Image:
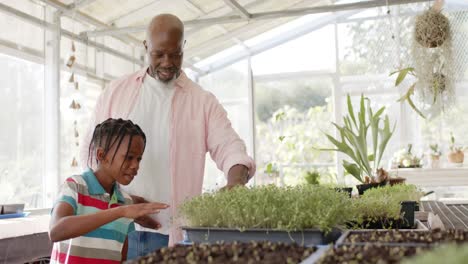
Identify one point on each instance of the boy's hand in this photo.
(137, 210)
(148, 222)
(138, 199)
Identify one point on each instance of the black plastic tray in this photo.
(340, 242)
(316, 255)
(306, 237)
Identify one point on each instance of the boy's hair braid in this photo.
(111, 132)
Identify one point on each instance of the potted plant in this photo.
(357, 130)
(406, 159)
(434, 155)
(456, 155)
(386, 207)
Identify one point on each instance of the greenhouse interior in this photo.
(234, 131)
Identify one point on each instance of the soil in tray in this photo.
(380, 224)
(245, 253)
(369, 254)
(395, 236)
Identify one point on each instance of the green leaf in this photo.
(410, 102)
(379, 112)
(269, 168)
(281, 138)
(362, 113)
(352, 169)
(385, 135)
(402, 75)
(371, 157)
(407, 97)
(351, 110)
(280, 116)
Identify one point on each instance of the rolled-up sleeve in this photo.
(224, 144)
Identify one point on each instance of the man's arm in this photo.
(227, 149)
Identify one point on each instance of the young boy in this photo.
(92, 216)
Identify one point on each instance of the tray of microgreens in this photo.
(306, 214)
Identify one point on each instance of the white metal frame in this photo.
(246, 16)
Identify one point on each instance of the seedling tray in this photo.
(436, 237)
(305, 237)
(312, 259)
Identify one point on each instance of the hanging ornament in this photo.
(71, 61)
(72, 78)
(74, 162)
(73, 47)
(76, 86)
(75, 105)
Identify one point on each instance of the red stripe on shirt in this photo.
(86, 200)
(62, 257)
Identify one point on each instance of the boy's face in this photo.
(124, 169)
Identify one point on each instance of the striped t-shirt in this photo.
(104, 244)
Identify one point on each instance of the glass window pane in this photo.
(21, 33)
(312, 52)
(21, 143)
(228, 83)
(290, 117)
(230, 86)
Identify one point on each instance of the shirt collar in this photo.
(95, 188)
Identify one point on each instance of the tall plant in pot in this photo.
(363, 137)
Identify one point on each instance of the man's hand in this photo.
(238, 176)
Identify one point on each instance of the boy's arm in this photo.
(64, 224)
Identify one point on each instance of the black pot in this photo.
(348, 190)
(408, 208)
(366, 186)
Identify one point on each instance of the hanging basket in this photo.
(432, 29)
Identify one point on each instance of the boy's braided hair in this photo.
(111, 132)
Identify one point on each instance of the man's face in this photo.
(165, 53)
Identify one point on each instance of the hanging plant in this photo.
(433, 90)
(432, 29)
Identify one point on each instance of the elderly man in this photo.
(182, 122)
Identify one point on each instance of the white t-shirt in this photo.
(153, 182)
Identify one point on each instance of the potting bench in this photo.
(24, 239)
(453, 216)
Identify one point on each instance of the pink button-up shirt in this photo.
(198, 124)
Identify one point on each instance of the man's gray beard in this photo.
(154, 74)
(166, 84)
